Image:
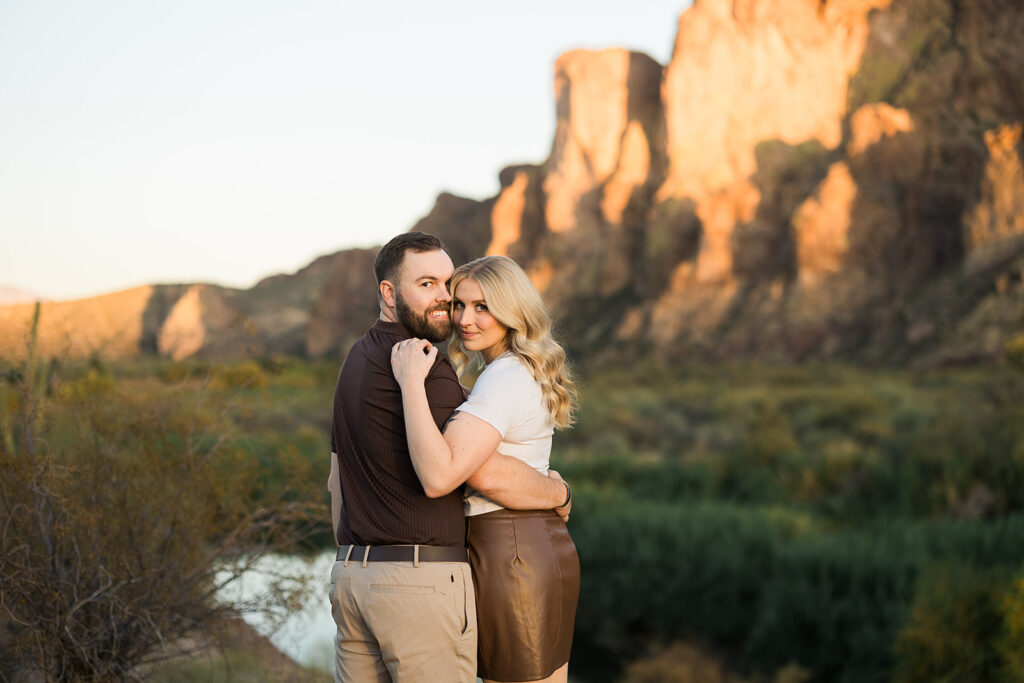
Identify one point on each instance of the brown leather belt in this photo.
(402, 553)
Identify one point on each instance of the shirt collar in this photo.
(391, 329)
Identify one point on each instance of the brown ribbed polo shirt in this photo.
(383, 501)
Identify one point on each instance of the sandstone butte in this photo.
(804, 179)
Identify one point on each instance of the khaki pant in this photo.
(401, 623)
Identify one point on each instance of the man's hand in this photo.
(563, 510)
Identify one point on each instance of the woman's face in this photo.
(479, 330)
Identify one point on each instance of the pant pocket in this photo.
(465, 598)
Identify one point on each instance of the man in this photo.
(401, 591)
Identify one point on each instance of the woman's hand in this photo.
(562, 510)
(411, 360)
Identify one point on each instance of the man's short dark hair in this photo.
(389, 258)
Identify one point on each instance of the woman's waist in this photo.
(505, 513)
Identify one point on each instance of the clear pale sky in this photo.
(224, 141)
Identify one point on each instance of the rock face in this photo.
(803, 179)
(203, 321)
(806, 181)
(346, 306)
(181, 321)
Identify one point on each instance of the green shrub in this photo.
(954, 628)
(833, 603)
(765, 587)
(1011, 645)
(663, 572)
(1014, 352)
(245, 375)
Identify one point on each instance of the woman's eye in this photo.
(459, 304)
(481, 308)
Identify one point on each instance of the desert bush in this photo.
(1011, 645)
(678, 663)
(955, 628)
(1014, 352)
(844, 442)
(236, 376)
(121, 517)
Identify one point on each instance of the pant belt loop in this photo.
(366, 556)
(348, 554)
(416, 555)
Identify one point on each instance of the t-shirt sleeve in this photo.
(498, 397)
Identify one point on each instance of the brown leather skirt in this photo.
(527, 578)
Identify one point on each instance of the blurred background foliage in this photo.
(128, 501)
(735, 522)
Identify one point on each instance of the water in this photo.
(305, 634)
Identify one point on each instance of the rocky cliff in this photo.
(803, 179)
(806, 178)
(184, 320)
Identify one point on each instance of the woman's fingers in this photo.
(411, 342)
(411, 359)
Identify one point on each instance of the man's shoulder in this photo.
(443, 368)
(376, 343)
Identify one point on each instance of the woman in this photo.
(525, 566)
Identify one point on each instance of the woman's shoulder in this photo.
(507, 364)
(507, 369)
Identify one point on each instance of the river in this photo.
(305, 634)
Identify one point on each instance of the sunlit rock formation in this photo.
(803, 179)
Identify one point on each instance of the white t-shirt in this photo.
(507, 397)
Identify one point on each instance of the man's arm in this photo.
(334, 486)
(513, 484)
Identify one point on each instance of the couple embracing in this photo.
(453, 555)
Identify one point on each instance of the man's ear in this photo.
(387, 293)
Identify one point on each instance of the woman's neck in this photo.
(492, 352)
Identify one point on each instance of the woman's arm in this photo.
(467, 449)
(513, 484)
(442, 462)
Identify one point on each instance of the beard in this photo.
(420, 325)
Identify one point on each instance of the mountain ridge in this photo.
(819, 179)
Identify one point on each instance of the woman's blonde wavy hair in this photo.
(514, 302)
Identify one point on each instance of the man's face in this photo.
(422, 300)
